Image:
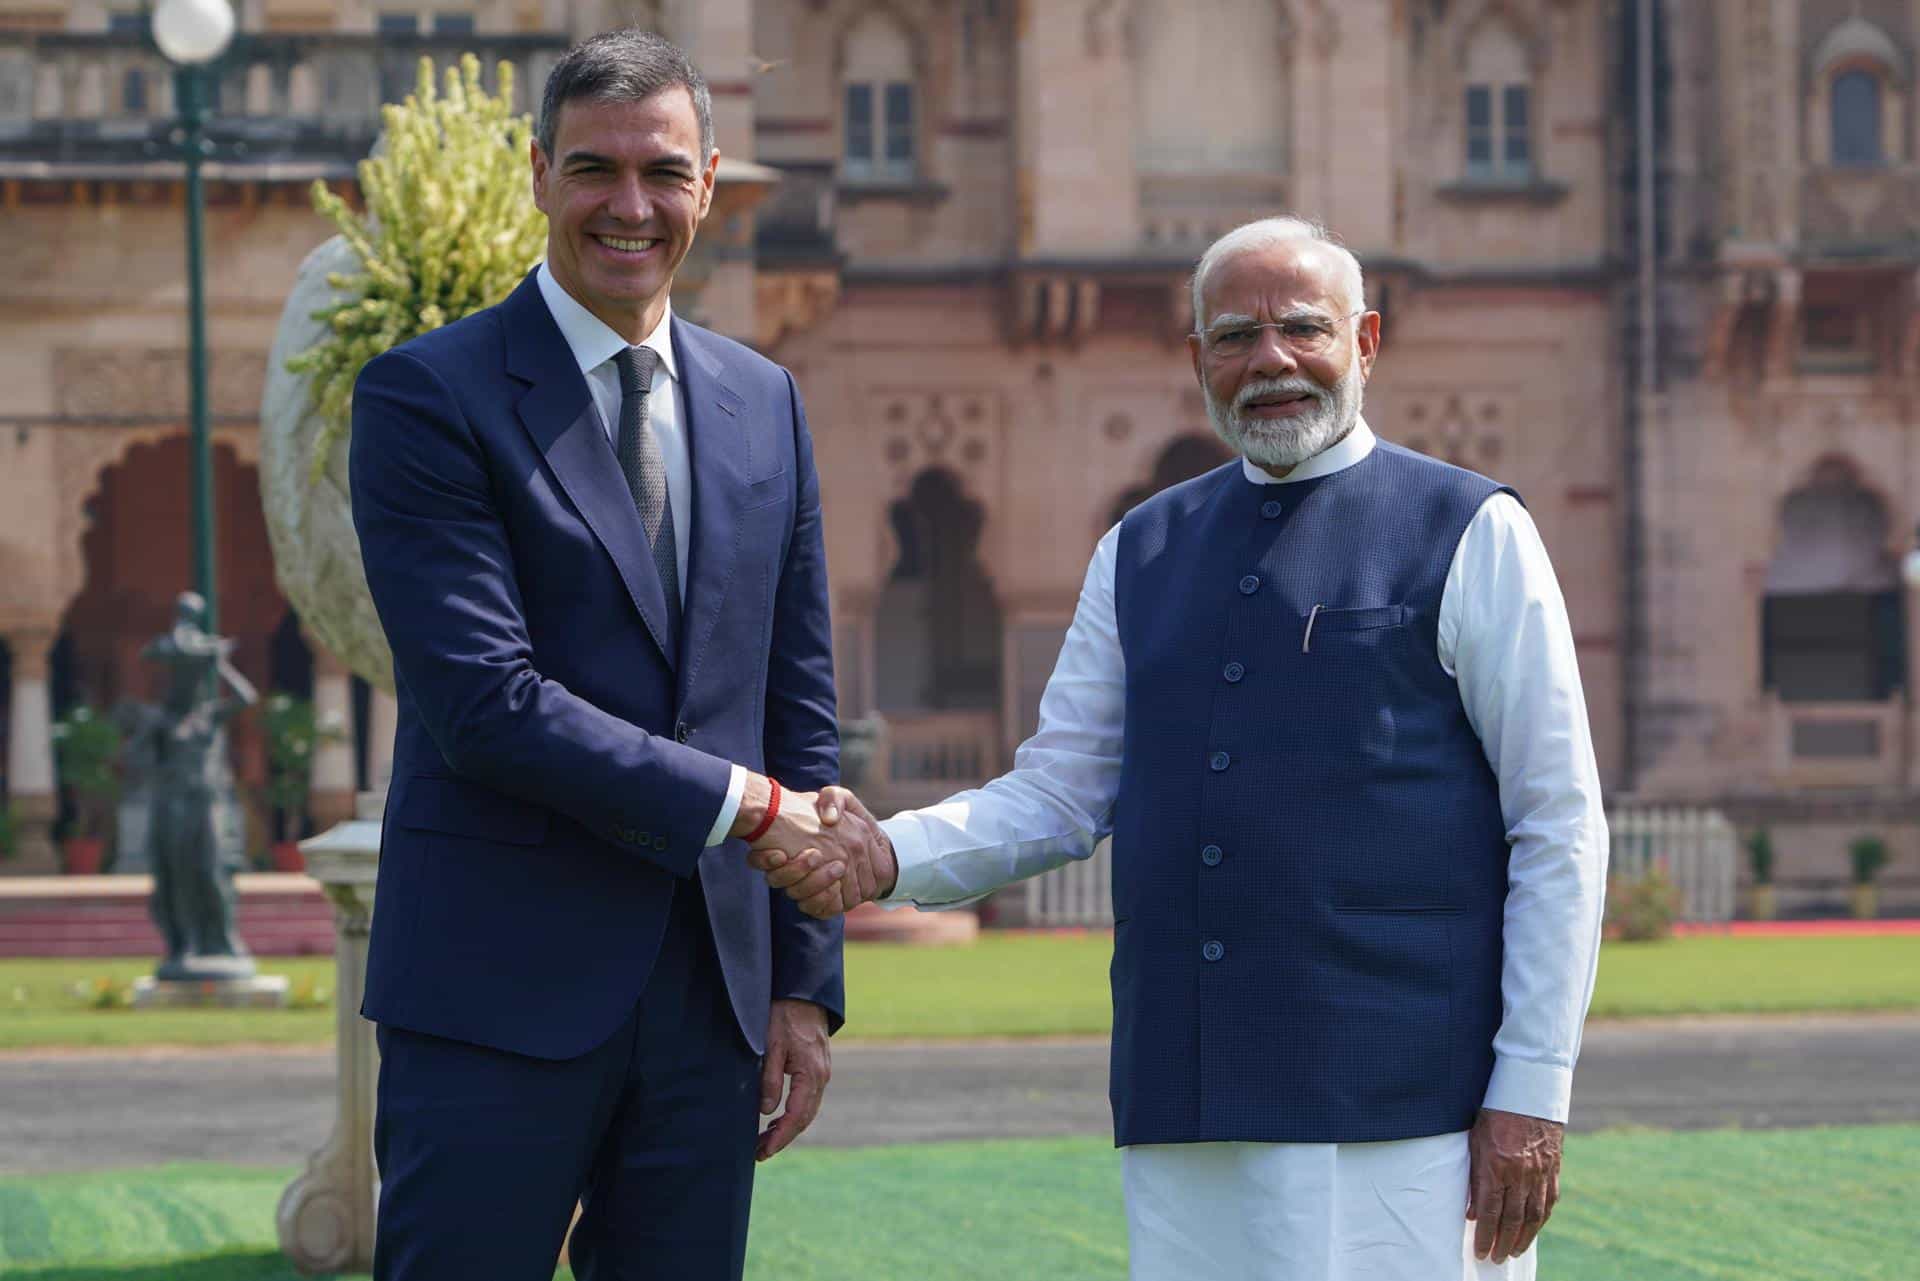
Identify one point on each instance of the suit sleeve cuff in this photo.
(1544, 1090)
(729, 808)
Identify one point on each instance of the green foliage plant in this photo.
(87, 748)
(1869, 855)
(450, 228)
(293, 733)
(1642, 909)
(1760, 855)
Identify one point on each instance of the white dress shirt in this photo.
(1503, 635)
(1209, 1209)
(594, 345)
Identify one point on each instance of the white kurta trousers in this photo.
(1305, 1212)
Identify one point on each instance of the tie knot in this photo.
(636, 366)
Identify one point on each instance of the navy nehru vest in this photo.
(1309, 861)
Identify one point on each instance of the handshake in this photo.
(824, 849)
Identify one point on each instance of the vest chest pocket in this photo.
(1340, 702)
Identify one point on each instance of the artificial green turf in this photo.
(1018, 985)
(1786, 1205)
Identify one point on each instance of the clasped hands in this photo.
(824, 849)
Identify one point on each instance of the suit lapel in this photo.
(720, 446)
(558, 412)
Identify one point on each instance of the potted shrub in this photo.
(87, 749)
(1869, 855)
(293, 734)
(1761, 905)
(1641, 909)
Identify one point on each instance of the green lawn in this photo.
(1795, 1205)
(1018, 985)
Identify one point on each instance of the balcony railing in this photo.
(85, 104)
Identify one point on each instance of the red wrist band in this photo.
(773, 812)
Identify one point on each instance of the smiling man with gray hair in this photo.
(1325, 700)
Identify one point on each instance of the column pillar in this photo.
(32, 789)
(333, 783)
(383, 715)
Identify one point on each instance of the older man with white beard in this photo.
(1325, 700)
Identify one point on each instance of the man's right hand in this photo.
(824, 849)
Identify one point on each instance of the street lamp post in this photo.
(193, 34)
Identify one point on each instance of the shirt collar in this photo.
(592, 341)
(1339, 456)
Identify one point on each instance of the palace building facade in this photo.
(967, 226)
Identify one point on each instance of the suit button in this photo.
(1214, 950)
(660, 843)
(1270, 509)
(1250, 584)
(641, 837)
(1218, 762)
(680, 732)
(1211, 855)
(1234, 672)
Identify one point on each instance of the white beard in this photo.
(1288, 442)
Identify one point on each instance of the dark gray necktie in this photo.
(646, 471)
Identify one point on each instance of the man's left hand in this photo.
(797, 1048)
(1513, 1181)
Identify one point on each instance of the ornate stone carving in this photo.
(121, 382)
(791, 302)
(1457, 428)
(316, 556)
(959, 429)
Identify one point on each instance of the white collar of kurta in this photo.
(1339, 456)
(591, 340)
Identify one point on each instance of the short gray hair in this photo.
(629, 65)
(1264, 233)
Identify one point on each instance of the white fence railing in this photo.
(1698, 850)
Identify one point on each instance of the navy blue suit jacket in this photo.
(561, 758)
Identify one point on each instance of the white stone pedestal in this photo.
(256, 992)
(325, 1220)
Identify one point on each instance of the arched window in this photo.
(879, 111)
(1499, 107)
(1210, 88)
(1857, 136)
(1832, 629)
(937, 639)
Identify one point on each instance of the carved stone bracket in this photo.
(1053, 307)
(792, 302)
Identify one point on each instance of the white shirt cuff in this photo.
(729, 808)
(913, 859)
(1544, 1090)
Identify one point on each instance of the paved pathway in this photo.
(87, 1111)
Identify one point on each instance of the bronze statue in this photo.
(195, 843)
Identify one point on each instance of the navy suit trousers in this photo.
(483, 1153)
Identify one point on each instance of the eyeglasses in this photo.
(1305, 334)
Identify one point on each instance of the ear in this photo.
(537, 161)
(1367, 336)
(707, 180)
(1193, 350)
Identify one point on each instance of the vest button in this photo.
(1211, 855)
(1234, 672)
(680, 732)
(1218, 762)
(1250, 584)
(1270, 509)
(1214, 950)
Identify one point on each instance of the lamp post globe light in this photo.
(193, 34)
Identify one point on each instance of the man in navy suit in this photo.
(593, 534)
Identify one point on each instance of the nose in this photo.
(628, 201)
(1271, 357)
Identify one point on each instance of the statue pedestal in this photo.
(325, 1220)
(255, 992)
